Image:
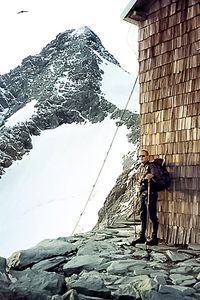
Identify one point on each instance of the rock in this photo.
(196, 269)
(154, 295)
(22, 294)
(70, 295)
(46, 249)
(188, 282)
(85, 297)
(2, 265)
(98, 247)
(182, 270)
(180, 278)
(78, 263)
(176, 257)
(195, 247)
(41, 281)
(123, 266)
(127, 286)
(4, 279)
(160, 279)
(145, 286)
(160, 257)
(89, 283)
(126, 291)
(111, 270)
(140, 254)
(189, 262)
(49, 264)
(176, 290)
(197, 286)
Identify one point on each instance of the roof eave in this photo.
(135, 11)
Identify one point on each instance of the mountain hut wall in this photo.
(169, 76)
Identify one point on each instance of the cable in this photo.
(104, 161)
(129, 45)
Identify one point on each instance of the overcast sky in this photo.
(27, 33)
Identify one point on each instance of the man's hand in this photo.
(149, 176)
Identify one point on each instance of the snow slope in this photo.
(43, 195)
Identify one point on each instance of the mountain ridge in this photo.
(64, 80)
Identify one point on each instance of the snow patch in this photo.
(51, 185)
(80, 31)
(23, 114)
(117, 86)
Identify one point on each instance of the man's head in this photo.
(143, 156)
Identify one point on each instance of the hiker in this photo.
(146, 174)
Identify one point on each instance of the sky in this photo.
(43, 195)
(26, 34)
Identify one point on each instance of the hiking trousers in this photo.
(152, 209)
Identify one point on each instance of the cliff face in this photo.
(122, 202)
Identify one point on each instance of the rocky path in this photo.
(101, 264)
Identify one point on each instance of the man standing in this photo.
(146, 176)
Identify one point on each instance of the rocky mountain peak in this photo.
(63, 81)
(85, 33)
(69, 51)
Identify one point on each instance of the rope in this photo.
(129, 45)
(104, 161)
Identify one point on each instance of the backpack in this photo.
(164, 180)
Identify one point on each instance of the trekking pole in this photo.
(147, 204)
(134, 222)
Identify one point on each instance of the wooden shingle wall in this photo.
(169, 67)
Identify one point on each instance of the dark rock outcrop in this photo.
(120, 204)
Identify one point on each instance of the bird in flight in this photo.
(22, 11)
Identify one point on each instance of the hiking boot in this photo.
(140, 240)
(153, 241)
